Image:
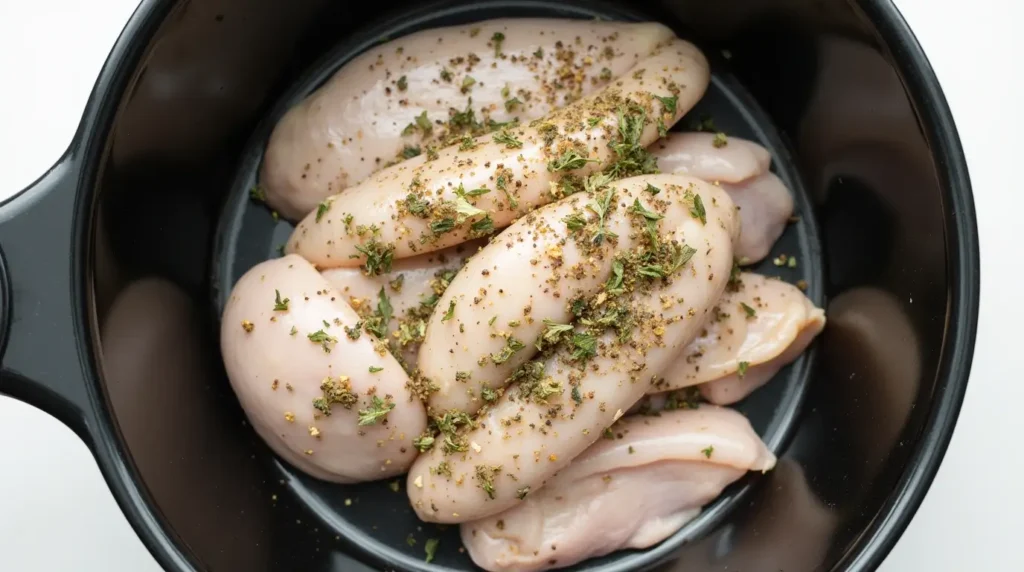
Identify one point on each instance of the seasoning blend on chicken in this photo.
(507, 296)
(633, 489)
(408, 294)
(652, 305)
(416, 94)
(483, 183)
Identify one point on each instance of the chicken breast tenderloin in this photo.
(486, 182)
(765, 206)
(509, 293)
(759, 325)
(510, 69)
(561, 404)
(628, 492)
(707, 156)
(411, 291)
(746, 379)
(741, 167)
(325, 396)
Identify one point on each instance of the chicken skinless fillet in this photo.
(736, 386)
(526, 277)
(561, 404)
(629, 492)
(486, 182)
(502, 70)
(697, 154)
(759, 325)
(323, 394)
(741, 168)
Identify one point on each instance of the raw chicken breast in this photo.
(696, 154)
(758, 326)
(741, 167)
(561, 404)
(500, 69)
(786, 335)
(469, 189)
(326, 396)
(628, 492)
(765, 207)
(525, 278)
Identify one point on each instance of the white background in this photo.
(57, 514)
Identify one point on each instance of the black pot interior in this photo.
(819, 69)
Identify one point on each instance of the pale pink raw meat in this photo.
(623, 493)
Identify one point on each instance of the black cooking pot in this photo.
(110, 266)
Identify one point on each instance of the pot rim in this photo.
(962, 258)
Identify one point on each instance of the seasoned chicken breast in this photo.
(654, 304)
(404, 97)
(509, 294)
(758, 326)
(631, 490)
(324, 394)
(484, 183)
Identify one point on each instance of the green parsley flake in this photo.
(488, 394)
(423, 122)
(322, 209)
(508, 139)
(279, 304)
(464, 209)
(323, 338)
(614, 284)
(377, 324)
(585, 346)
(442, 226)
(482, 226)
(430, 547)
(379, 257)
(512, 345)
(669, 103)
(553, 331)
(697, 211)
(569, 161)
(497, 38)
(423, 443)
(576, 395)
(378, 410)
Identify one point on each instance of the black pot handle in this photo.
(43, 331)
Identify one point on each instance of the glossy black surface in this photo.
(131, 362)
